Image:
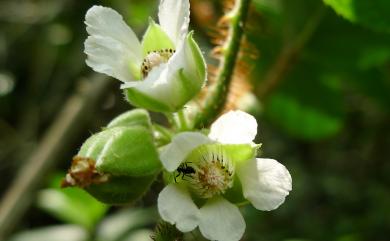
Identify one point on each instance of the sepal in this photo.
(155, 38)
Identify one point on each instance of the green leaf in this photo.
(359, 64)
(65, 204)
(375, 85)
(370, 13)
(373, 57)
(155, 39)
(302, 120)
(308, 104)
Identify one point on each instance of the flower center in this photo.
(208, 171)
(155, 58)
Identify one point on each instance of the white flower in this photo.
(161, 73)
(206, 167)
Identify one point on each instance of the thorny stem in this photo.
(166, 232)
(215, 101)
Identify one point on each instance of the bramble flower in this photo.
(213, 172)
(163, 71)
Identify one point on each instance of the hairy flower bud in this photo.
(118, 164)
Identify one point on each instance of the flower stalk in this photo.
(216, 99)
(182, 120)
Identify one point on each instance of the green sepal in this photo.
(139, 99)
(239, 153)
(236, 153)
(121, 189)
(136, 117)
(125, 147)
(155, 39)
(234, 194)
(92, 147)
(196, 59)
(129, 152)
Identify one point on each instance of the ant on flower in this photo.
(184, 170)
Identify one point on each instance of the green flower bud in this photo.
(121, 189)
(118, 164)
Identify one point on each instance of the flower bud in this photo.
(118, 164)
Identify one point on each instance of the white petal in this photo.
(174, 18)
(221, 220)
(176, 82)
(265, 183)
(151, 80)
(112, 47)
(176, 207)
(182, 144)
(234, 127)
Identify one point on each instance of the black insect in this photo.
(184, 170)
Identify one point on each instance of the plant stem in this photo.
(162, 135)
(172, 121)
(215, 101)
(242, 204)
(182, 120)
(163, 131)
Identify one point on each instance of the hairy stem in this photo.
(166, 232)
(215, 101)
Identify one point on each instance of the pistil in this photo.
(213, 171)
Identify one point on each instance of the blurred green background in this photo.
(321, 72)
